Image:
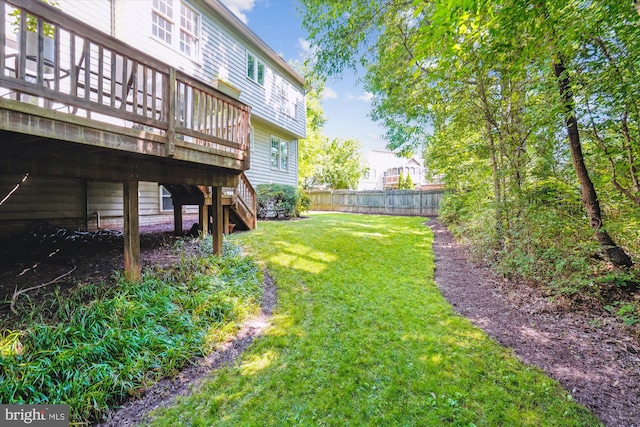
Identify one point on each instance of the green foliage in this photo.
(97, 345)
(342, 164)
(408, 183)
(401, 185)
(311, 149)
(362, 337)
(280, 200)
(32, 23)
(471, 83)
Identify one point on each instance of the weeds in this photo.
(96, 346)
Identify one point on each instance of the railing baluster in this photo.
(134, 90)
(3, 37)
(39, 52)
(217, 132)
(153, 93)
(145, 111)
(22, 48)
(87, 69)
(170, 111)
(74, 69)
(125, 83)
(56, 58)
(100, 73)
(112, 79)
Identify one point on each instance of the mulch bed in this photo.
(589, 352)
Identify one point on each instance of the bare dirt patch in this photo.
(589, 352)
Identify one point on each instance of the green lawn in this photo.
(361, 336)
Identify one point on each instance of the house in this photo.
(123, 112)
(385, 168)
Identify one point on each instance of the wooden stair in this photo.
(238, 204)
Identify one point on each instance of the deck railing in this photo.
(243, 198)
(56, 62)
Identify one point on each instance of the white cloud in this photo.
(239, 7)
(329, 93)
(305, 45)
(366, 97)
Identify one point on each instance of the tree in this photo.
(408, 183)
(485, 85)
(401, 182)
(342, 164)
(311, 148)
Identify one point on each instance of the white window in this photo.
(287, 99)
(166, 202)
(164, 21)
(279, 154)
(255, 69)
(189, 30)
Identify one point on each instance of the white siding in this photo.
(96, 13)
(106, 198)
(260, 171)
(222, 55)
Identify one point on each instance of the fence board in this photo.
(397, 202)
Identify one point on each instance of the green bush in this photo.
(97, 345)
(279, 200)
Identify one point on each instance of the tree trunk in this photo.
(614, 253)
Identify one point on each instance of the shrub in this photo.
(279, 200)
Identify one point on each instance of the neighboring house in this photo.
(188, 95)
(385, 167)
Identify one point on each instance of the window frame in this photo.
(255, 75)
(280, 159)
(288, 106)
(177, 30)
(164, 196)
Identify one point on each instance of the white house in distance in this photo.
(201, 39)
(385, 168)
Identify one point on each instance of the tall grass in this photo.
(98, 345)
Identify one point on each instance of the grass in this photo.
(361, 336)
(99, 344)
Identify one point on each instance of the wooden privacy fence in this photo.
(396, 202)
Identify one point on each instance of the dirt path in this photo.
(599, 365)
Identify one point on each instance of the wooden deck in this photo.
(76, 102)
(84, 87)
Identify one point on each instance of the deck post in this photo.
(132, 268)
(203, 211)
(216, 231)
(225, 220)
(177, 218)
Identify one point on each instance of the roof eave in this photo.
(234, 22)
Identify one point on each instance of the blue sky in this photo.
(346, 105)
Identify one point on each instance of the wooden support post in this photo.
(216, 232)
(132, 268)
(177, 219)
(203, 211)
(225, 221)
